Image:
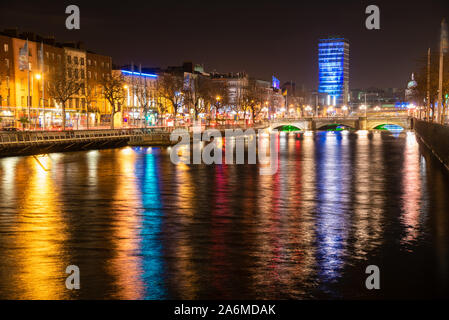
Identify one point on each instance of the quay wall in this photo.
(23, 143)
(32, 143)
(436, 137)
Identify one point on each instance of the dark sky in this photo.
(259, 37)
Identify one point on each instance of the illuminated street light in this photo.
(38, 76)
(363, 107)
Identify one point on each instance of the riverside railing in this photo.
(26, 137)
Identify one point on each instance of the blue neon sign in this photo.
(139, 74)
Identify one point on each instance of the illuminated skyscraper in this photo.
(333, 63)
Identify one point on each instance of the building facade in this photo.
(141, 93)
(97, 68)
(29, 64)
(333, 64)
(7, 80)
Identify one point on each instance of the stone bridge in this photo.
(358, 123)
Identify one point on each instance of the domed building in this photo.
(411, 90)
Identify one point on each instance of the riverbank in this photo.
(42, 142)
(436, 137)
(32, 143)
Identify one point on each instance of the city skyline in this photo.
(283, 36)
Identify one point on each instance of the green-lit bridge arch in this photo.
(335, 127)
(357, 123)
(288, 128)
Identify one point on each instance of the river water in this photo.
(140, 227)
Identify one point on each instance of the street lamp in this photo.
(411, 108)
(267, 115)
(38, 77)
(218, 98)
(308, 109)
(127, 102)
(363, 107)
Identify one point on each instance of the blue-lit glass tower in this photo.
(333, 64)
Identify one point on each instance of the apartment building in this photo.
(28, 65)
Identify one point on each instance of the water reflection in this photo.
(126, 264)
(333, 171)
(368, 197)
(34, 257)
(411, 198)
(150, 244)
(140, 227)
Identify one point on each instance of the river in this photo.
(140, 227)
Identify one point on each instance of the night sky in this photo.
(259, 37)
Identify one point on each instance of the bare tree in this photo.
(420, 94)
(253, 99)
(170, 88)
(61, 88)
(144, 94)
(113, 92)
(161, 106)
(219, 96)
(198, 94)
(89, 94)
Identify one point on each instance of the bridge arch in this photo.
(334, 126)
(301, 126)
(288, 127)
(387, 125)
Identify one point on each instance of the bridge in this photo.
(357, 123)
(19, 143)
(37, 142)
